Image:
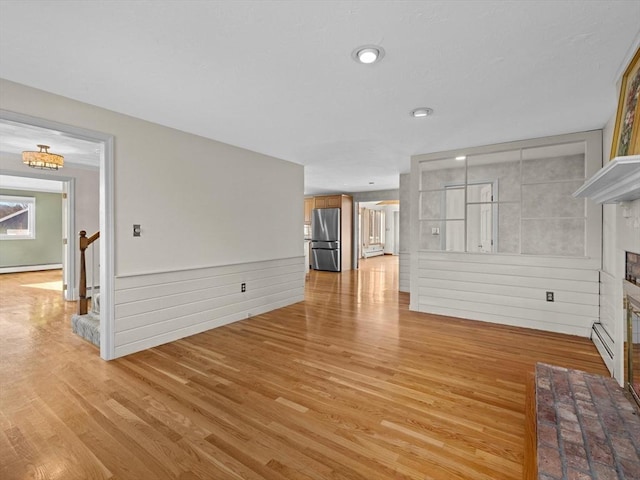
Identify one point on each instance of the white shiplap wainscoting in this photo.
(511, 290)
(605, 332)
(157, 308)
(404, 272)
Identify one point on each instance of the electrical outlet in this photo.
(549, 296)
(243, 287)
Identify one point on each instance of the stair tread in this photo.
(87, 326)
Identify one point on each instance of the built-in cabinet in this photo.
(345, 204)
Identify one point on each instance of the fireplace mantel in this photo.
(618, 181)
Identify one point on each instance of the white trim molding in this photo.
(618, 181)
(31, 268)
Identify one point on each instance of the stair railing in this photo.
(84, 244)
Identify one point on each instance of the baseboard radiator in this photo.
(373, 251)
(604, 344)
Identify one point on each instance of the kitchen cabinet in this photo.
(308, 206)
(330, 201)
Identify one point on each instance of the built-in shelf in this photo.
(618, 181)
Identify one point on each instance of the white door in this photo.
(68, 242)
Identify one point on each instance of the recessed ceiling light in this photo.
(421, 112)
(368, 54)
(461, 157)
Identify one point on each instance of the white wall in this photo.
(200, 203)
(405, 236)
(157, 308)
(505, 288)
(620, 233)
(610, 283)
(389, 228)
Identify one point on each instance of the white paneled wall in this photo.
(509, 286)
(605, 334)
(405, 233)
(158, 308)
(608, 303)
(511, 290)
(405, 266)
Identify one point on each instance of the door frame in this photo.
(68, 228)
(107, 268)
(69, 232)
(396, 232)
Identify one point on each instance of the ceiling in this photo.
(17, 137)
(277, 77)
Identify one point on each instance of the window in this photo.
(516, 201)
(17, 218)
(376, 227)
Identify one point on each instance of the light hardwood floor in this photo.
(347, 385)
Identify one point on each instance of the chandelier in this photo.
(43, 159)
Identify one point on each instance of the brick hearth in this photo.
(586, 427)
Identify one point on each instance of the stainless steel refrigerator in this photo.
(325, 239)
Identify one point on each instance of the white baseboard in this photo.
(31, 268)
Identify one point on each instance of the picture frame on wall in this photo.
(626, 134)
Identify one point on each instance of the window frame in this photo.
(593, 212)
(376, 227)
(31, 217)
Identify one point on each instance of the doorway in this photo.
(58, 244)
(376, 229)
(104, 146)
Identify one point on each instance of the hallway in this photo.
(348, 384)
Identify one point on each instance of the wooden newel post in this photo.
(82, 303)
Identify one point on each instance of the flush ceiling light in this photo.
(368, 54)
(421, 112)
(461, 157)
(43, 159)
